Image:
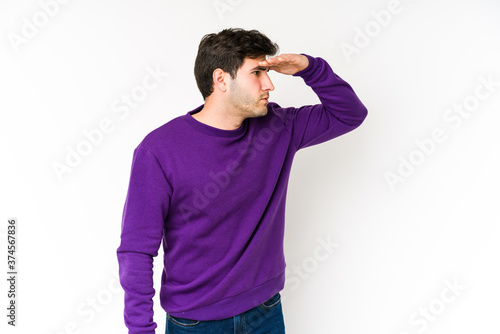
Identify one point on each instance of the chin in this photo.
(258, 113)
(261, 114)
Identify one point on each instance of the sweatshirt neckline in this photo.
(210, 130)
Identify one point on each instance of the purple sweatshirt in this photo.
(216, 199)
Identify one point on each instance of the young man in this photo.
(211, 184)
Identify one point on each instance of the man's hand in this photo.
(288, 63)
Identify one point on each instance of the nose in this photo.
(267, 84)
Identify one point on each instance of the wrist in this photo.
(304, 63)
(307, 63)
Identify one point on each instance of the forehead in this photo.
(249, 63)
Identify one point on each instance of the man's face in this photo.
(249, 91)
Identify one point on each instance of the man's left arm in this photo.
(340, 110)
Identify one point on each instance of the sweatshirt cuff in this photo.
(306, 70)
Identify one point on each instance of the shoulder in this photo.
(163, 135)
(277, 113)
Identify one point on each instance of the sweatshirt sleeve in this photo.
(145, 210)
(339, 112)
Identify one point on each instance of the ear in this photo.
(220, 79)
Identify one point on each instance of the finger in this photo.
(272, 61)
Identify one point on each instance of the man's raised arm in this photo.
(340, 110)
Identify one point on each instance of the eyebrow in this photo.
(259, 68)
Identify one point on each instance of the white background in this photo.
(397, 246)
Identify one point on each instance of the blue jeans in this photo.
(267, 318)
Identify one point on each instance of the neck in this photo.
(220, 116)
